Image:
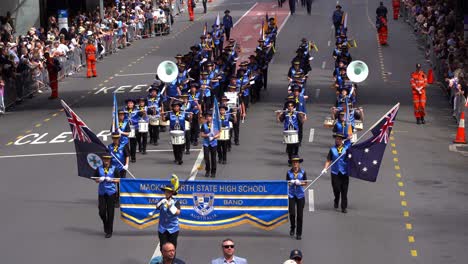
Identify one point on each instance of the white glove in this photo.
(211, 138)
(120, 131)
(173, 209)
(161, 202)
(101, 179)
(298, 182)
(108, 178)
(324, 171)
(151, 213)
(171, 202)
(125, 167)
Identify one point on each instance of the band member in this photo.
(106, 175)
(187, 108)
(239, 112)
(169, 211)
(337, 18)
(183, 78)
(90, 52)
(123, 127)
(194, 125)
(142, 136)
(300, 102)
(120, 154)
(132, 118)
(339, 172)
(343, 128)
(418, 86)
(153, 107)
(210, 144)
(226, 120)
(177, 120)
(290, 119)
(296, 178)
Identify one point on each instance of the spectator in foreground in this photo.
(228, 254)
(168, 251)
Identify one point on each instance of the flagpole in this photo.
(122, 165)
(336, 160)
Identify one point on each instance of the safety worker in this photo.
(177, 120)
(169, 211)
(52, 70)
(107, 176)
(226, 120)
(191, 7)
(210, 144)
(418, 86)
(90, 52)
(296, 178)
(396, 9)
(339, 171)
(382, 29)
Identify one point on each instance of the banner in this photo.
(208, 205)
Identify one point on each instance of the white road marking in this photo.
(237, 22)
(317, 93)
(329, 43)
(135, 74)
(157, 252)
(193, 173)
(311, 201)
(323, 64)
(246, 38)
(311, 135)
(284, 22)
(74, 153)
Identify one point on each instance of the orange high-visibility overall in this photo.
(90, 51)
(418, 86)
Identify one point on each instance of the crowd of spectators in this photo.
(440, 24)
(122, 23)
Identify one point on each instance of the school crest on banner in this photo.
(208, 205)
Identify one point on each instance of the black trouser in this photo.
(280, 3)
(142, 140)
(133, 144)
(204, 5)
(300, 132)
(194, 129)
(154, 133)
(337, 26)
(228, 33)
(222, 149)
(292, 6)
(178, 151)
(245, 100)
(309, 6)
(340, 183)
(292, 149)
(265, 77)
(302, 3)
(168, 237)
(236, 128)
(296, 208)
(187, 140)
(106, 211)
(210, 159)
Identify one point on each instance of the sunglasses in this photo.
(297, 258)
(228, 246)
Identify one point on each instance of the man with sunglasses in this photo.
(228, 254)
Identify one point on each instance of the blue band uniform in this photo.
(208, 205)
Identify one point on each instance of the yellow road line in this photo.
(401, 184)
(411, 239)
(408, 226)
(414, 253)
(404, 204)
(38, 125)
(402, 194)
(406, 213)
(9, 143)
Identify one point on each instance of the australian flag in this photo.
(364, 158)
(88, 147)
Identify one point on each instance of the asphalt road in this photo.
(414, 213)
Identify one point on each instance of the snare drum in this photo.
(224, 134)
(291, 136)
(177, 137)
(142, 126)
(154, 120)
(329, 122)
(132, 132)
(187, 125)
(358, 125)
(164, 123)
